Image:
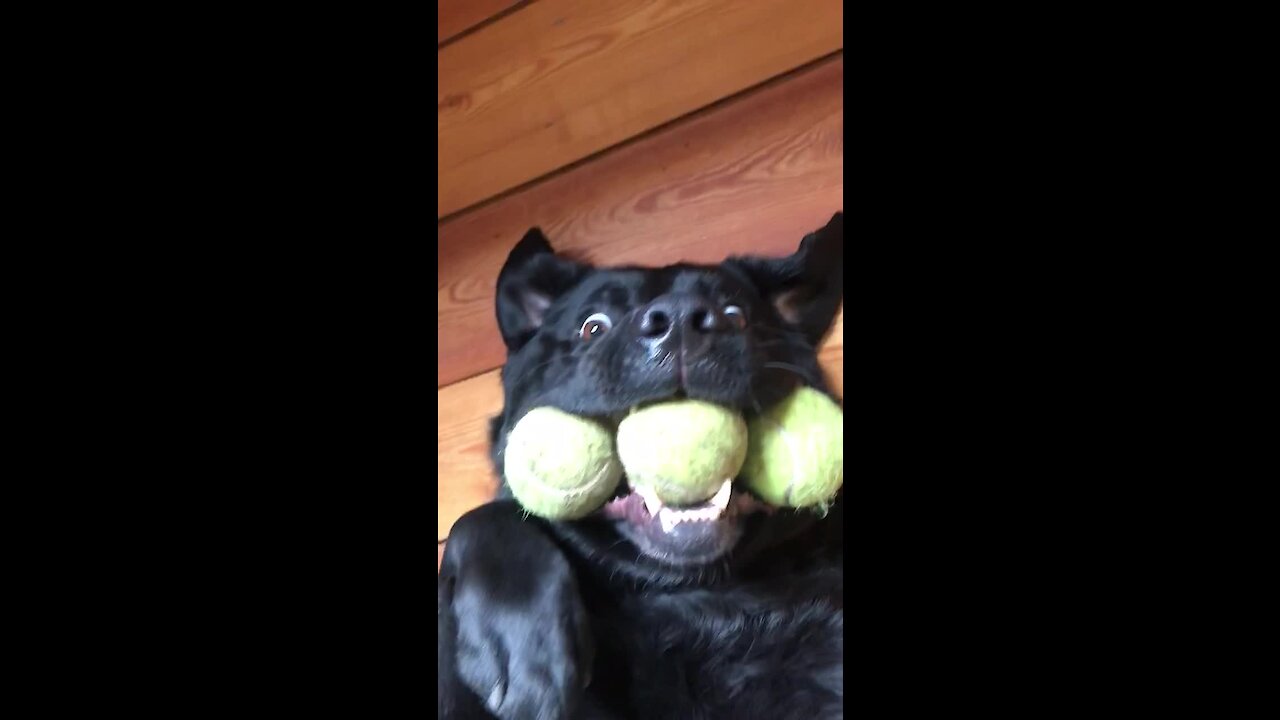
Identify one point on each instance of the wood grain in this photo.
(466, 478)
(454, 17)
(751, 176)
(558, 80)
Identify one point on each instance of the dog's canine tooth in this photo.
(651, 501)
(721, 499)
(668, 518)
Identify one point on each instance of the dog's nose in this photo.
(681, 319)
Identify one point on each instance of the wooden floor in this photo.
(559, 80)
(455, 17)
(631, 131)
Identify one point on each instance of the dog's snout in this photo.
(679, 320)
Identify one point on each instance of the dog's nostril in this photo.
(704, 320)
(654, 323)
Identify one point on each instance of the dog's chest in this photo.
(706, 654)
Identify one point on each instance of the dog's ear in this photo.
(533, 277)
(806, 287)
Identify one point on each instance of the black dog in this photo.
(620, 615)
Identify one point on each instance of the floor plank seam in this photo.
(483, 24)
(668, 125)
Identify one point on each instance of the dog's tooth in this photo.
(721, 499)
(668, 519)
(651, 501)
(653, 505)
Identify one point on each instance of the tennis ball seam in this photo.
(564, 494)
(793, 451)
(788, 463)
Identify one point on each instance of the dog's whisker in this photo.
(792, 368)
(779, 331)
(528, 370)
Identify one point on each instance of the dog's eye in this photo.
(735, 316)
(594, 326)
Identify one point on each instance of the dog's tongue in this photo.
(627, 507)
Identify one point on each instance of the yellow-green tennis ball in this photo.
(682, 449)
(796, 458)
(560, 466)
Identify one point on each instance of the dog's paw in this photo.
(522, 640)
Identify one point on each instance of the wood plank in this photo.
(454, 17)
(466, 476)
(559, 80)
(751, 176)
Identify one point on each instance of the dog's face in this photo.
(599, 342)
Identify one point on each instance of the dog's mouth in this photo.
(685, 535)
(681, 535)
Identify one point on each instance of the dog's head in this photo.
(598, 342)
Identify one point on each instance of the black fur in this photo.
(588, 619)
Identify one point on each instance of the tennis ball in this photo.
(796, 457)
(560, 466)
(682, 449)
